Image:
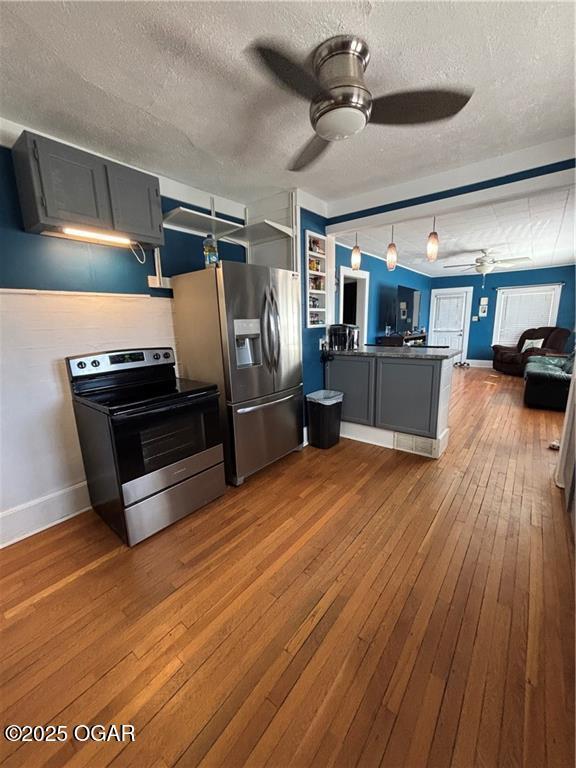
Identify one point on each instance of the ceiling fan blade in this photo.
(308, 155)
(414, 107)
(287, 71)
(457, 266)
(519, 260)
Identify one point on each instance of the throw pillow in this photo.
(532, 344)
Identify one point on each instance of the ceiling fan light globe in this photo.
(483, 268)
(340, 123)
(391, 257)
(432, 247)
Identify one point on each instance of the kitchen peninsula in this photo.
(397, 397)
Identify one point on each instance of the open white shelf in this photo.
(261, 232)
(187, 220)
(193, 221)
(316, 272)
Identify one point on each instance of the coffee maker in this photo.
(343, 337)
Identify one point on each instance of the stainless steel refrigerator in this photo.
(238, 325)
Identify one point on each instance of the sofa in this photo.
(547, 381)
(512, 360)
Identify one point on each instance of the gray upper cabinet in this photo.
(60, 186)
(407, 395)
(73, 184)
(135, 198)
(355, 377)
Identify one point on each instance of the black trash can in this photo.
(324, 415)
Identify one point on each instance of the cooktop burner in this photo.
(149, 395)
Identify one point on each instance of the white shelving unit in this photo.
(316, 272)
(257, 233)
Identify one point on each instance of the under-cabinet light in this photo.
(102, 236)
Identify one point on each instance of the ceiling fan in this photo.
(341, 104)
(486, 263)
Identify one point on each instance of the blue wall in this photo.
(312, 371)
(380, 278)
(51, 263)
(480, 339)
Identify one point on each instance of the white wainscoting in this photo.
(42, 480)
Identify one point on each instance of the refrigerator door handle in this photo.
(265, 323)
(276, 314)
(264, 405)
(273, 338)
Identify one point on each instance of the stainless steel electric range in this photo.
(150, 441)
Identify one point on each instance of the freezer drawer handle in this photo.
(264, 405)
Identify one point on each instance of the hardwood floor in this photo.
(351, 607)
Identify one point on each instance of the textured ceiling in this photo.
(168, 86)
(540, 227)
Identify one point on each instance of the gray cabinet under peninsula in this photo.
(356, 377)
(395, 396)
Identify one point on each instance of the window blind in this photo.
(518, 309)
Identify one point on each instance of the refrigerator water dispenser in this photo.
(248, 343)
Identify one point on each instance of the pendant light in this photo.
(432, 244)
(356, 257)
(392, 254)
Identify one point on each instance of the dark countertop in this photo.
(410, 353)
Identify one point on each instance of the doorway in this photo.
(354, 288)
(350, 301)
(450, 310)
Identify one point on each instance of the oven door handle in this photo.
(264, 405)
(192, 401)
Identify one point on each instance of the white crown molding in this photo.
(311, 203)
(514, 162)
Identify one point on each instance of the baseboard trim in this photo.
(39, 514)
(364, 434)
(480, 363)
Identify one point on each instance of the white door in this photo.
(450, 319)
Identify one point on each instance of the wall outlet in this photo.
(158, 282)
(320, 342)
(474, 318)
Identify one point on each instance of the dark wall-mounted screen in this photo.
(127, 357)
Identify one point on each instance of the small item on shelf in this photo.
(314, 318)
(315, 246)
(316, 283)
(314, 302)
(314, 265)
(210, 251)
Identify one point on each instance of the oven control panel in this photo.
(118, 360)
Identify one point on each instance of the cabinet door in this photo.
(407, 395)
(73, 183)
(354, 376)
(136, 208)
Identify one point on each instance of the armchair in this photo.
(512, 360)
